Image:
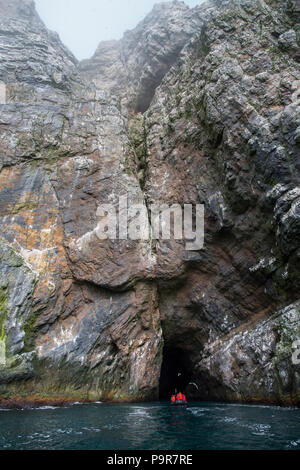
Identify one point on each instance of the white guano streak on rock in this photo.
(33, 259)
(2, 353)
(62, 337)
(2, 93)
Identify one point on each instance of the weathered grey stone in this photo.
(257, 361)
(288, 39)
(17, 283)
(2, 93)
(133, 67)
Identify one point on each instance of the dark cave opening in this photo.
(175, 372)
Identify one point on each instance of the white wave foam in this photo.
(47, 407)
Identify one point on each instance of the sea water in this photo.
(154, 426)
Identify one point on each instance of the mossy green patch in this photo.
(9, 256)
(138, 138)
(189, 110)
(24, 206)
(30, 331)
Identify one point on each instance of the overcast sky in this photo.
(82, 24)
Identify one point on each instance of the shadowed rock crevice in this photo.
(149, 84)
(135, 66)
(175, 373)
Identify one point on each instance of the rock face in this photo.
(198, 106)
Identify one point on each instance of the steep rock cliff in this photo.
(192, 106)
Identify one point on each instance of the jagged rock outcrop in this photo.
(236, 362)
(193, 106)
(134, 67)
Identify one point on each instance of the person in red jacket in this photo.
(180, 397)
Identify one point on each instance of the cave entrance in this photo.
(176, 371)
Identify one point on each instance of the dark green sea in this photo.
(154, 426)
